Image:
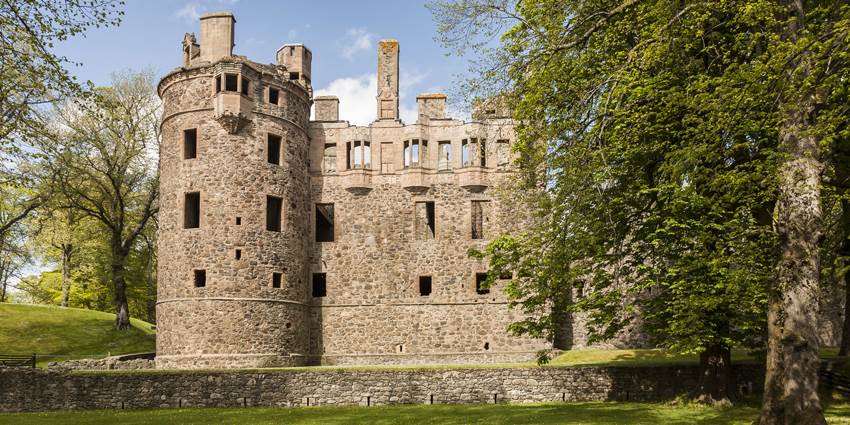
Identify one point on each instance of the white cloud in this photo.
(357, 103)
(357, 40)
(189, 13)
(356, 95)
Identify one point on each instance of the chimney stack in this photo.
(217, 35)
(388, 80)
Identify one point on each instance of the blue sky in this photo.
(342, 35)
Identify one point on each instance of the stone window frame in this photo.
(357, 149)
(335, 235)
(329, 166)
(503, 147)
(282, 217)
(185, 220)
(472, 222)
(476, 284)
(407, 150)
(473, 152)
(447, 164)
(243, 84)
(433, 203)
(268, 94)
(193, 152)
(430, 285)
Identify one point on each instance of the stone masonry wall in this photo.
(39, 390)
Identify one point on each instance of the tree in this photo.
(106, 159)
(673, 147)
(34, 76)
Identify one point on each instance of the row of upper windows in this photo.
(237, 83)
(320, 286)
(473, 152)
(359, 153)
(325, 220)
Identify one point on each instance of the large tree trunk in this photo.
(150, 286)
(715, 364)
(122, 309)
(67, 251)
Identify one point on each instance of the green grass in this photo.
(68, 333)
(549, 413)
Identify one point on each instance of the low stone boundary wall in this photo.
(126, 361)
(41, 390)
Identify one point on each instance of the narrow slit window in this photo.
(464, 153)
(367, 155)
(482, 153)
(218, 83)
(273, 95)
(324, 222)
(200, 278)
(329, 158)
(190, 143)
(425, 220)
(273, 213)
(478, 219)
(320, 287)
(424, 286)
(406, 153)
(238, 254)
(276, 279)
(273, 149)
(230, 82)
(480, 279)
(192, 210)
(246, 86)
(348, 162)
(444, 150)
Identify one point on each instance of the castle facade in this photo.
(288, 241)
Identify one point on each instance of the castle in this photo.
(288, 241)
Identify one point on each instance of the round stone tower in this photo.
(234, 212)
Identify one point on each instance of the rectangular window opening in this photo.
(238, 254)
(273, 95)
(276, 279)
(230, 82)
(218, 83)
(324, 222)
(192, 210)
(478, 219)
(200, 278)
(238, 221)
(425, 220)
(320, 287)
(424, 286)
(273, 213)
(480, 278)
(273, 149)
(329, 158)
(293, 75)
(464, 153)
(444, 150)
(246, 86)
(190, 143)
(482, 153)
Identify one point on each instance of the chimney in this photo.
(388, 80)
(217, 35)
(431, 105)
(327, 108)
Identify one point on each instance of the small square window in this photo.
(424, 285)
(200, 278)
(320, 285)
(276, 279)
(480, 278)
(273, 95)
(293, 75)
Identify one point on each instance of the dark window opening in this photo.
(238, 254)
(200, 278)
(230, 82)
(273, 95)
(274, 149)
(192, 210)
(273, 213)
(490, 111)
(293, 75)
(320, 285)
(486, 345)
(480, 278)
(424, 285)
(246, 86)
(425, 220)
(218, 84)
(324, 222)
(276, 278)
(238, 221)
(190, 143)
(482, 156)
(288, 325)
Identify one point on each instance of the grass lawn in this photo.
(68, 333)
(550, 413)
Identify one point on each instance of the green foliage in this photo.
(649, 140)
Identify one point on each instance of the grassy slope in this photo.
(64, 333)
(565, 413)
